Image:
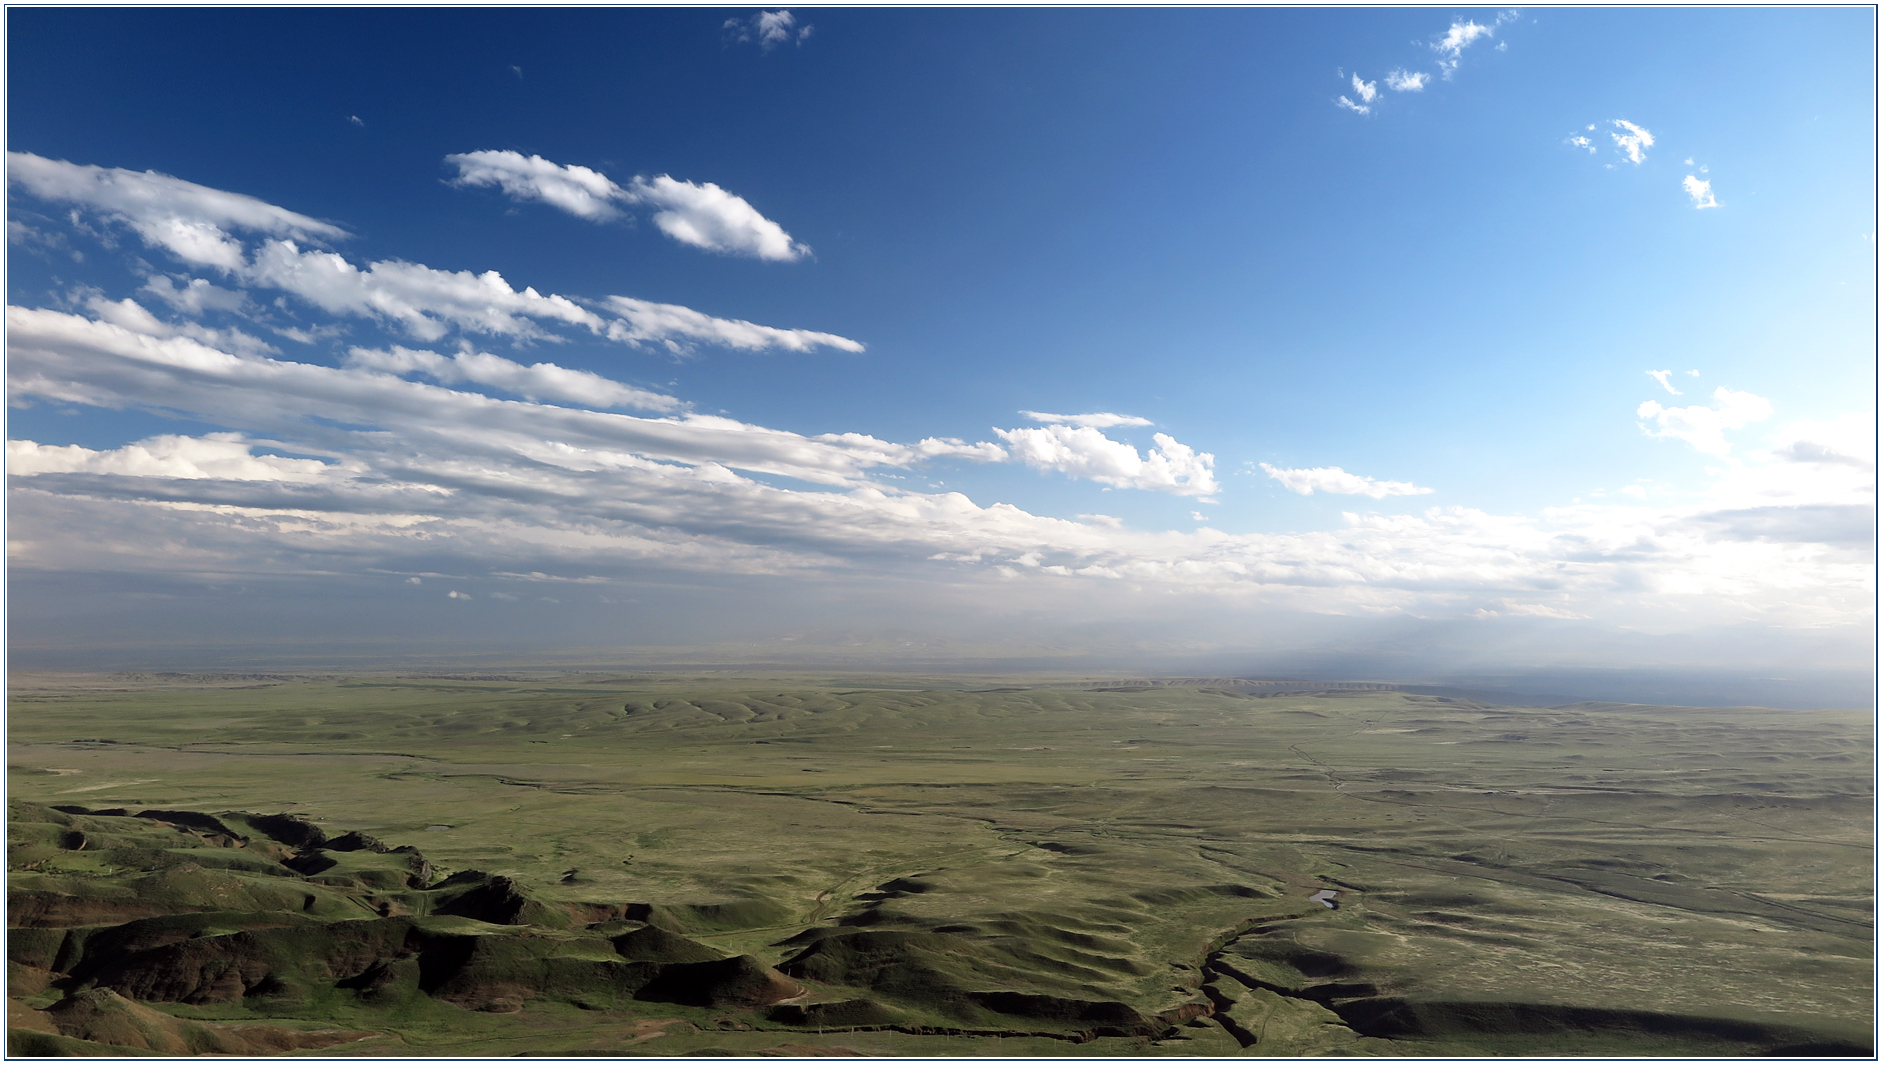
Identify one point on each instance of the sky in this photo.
(1546, 336)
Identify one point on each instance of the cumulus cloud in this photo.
(543, 380)
(1704, 427)
(1351, 106)
(768, 28)
(1662, 377)
(1093, 421)
(1633, 143)
(1582, 142)
(1700, 191)
(196, 224)
(1365, 90)
(1401, 81)
(704, 216)
(1334, 480)
(578, 190)
(1082, 451)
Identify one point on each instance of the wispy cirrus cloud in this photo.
(768, 28)
(677, 328)
(1664, 377)
(1335, 480)
(1093, 421)
(543, 380)
(702, 215)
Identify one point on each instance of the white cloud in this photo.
(1700, 191)
(1704, 427)
(1582, 142)
(1661, 376)
(132, 315)
(676, 327)
(1351, 106)
(1083, 451)
(1400, 81)
(1337, 481)
(191, 221)
(1634, 143)
(73, 359)
(187, 220)
(357, 121)
(223, 456)
(578, 190)
(706, 216)
(427, 303)
(543, 380)
(1460, 36)
(1451, 46)
(768, 28)
(1848, 440)
(1365, 90)
(195, 297)
(1093, 421)
(423, 479)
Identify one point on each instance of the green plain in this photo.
(941, 868)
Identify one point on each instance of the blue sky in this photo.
(1381, 358)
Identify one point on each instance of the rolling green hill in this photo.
(594, 864)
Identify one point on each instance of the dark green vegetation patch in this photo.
(581, 867)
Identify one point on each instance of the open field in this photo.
(620, 864)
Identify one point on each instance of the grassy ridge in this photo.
(954, 872)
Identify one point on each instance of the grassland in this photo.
(636, 864)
